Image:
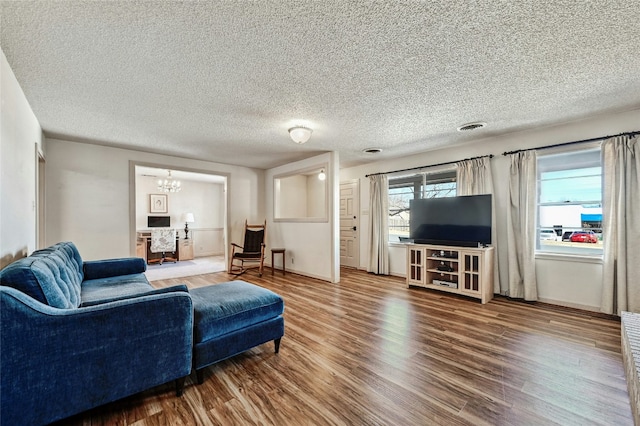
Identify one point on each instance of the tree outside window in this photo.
(406, 188)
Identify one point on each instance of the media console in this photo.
(461, 270)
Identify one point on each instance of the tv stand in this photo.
(467, 271)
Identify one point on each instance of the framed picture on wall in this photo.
(158, 203)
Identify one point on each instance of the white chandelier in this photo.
(169, 184)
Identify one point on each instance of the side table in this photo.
(275, 251)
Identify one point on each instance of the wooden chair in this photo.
(252, 250)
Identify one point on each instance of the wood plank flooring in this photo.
(369, 351)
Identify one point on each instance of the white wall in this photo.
(561, 280)
(204, 199)
(291, 192)
(312, 247)
(20, 134)
(316, 196)
(88, 197)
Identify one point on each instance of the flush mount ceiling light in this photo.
(300, 134)
(372, 150)
(322, 175)
(472, 126)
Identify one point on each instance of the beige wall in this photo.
(563, 280)
(292, 196)
(20, 134)
(312, 247)
(89, 196)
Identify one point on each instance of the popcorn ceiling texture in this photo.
(223, 81)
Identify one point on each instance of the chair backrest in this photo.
(163, 240)
(253, 237)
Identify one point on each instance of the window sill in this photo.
(396, 244)
(562, 257)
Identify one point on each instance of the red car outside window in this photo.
(584, 237)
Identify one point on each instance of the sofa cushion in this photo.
(223, 308)
(113, 267)
(102, 290)
(52, 276)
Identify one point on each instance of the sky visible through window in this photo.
(570, 186)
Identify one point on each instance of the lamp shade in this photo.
(188, 218)
(300, 134)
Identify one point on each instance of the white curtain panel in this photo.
(379, 225)
(621, 225)
(521, 224)
(474, 177)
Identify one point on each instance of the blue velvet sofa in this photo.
(75, 335)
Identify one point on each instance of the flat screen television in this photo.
(158, 221)
(453, 221)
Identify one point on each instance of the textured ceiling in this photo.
(223, 81)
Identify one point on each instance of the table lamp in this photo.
(187, 218)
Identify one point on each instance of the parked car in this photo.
(566, 236)
(547, 234)
(584, 237)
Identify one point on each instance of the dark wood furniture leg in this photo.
(180, 386)
(273, 253)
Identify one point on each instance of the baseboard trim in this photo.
(570, 305)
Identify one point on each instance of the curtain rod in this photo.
(432, 165)
(630, 134)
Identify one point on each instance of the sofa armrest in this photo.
(95, 269)
(155, 291)
(77, 359)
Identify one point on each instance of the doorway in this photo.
(203, 199)
(41, 240)
(349, 222)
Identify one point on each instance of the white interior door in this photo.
(349, 246)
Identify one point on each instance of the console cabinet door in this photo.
(415, 265)
(471, 272)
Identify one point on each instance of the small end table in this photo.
(275, 251)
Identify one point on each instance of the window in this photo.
(405, 188)
(570, 203)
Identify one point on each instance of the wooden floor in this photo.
(369, 351)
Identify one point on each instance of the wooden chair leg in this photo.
(200, 376)
(277, 344)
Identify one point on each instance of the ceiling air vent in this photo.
(372, 150)
(471, 126)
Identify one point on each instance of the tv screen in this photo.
(158, 221)
(457, 221)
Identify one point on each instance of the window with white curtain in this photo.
(570, 203)
(403, 189)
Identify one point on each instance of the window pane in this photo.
(399, 198)
(569, 203)
(575, 185)
(437, 190)
(406, 188)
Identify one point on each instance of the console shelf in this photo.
(461, 270)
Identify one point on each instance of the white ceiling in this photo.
(223, 81)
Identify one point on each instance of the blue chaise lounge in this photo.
(75, 335)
